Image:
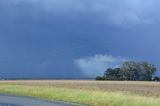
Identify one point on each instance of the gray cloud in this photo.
(109, 12)
(96, 65)
(32, 27)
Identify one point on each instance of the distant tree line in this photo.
(131, 70)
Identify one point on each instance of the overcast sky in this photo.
(76, 38)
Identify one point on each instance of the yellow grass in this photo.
(103, 93)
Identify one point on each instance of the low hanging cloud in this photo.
(96, 65)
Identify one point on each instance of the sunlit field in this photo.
(96, 93)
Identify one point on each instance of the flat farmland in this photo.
(141, 88)
(96, 93)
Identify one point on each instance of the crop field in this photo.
(96, 93)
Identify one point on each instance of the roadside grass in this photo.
(94, 98)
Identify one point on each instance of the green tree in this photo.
(131, 70)
(113, 74)
(149, 70)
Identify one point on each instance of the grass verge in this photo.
(95, 98)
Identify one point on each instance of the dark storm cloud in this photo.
(112, 12)
(43, 38)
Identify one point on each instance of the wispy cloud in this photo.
(96, 65)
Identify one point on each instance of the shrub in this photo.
(156, 79)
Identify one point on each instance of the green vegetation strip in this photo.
(95, 98)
